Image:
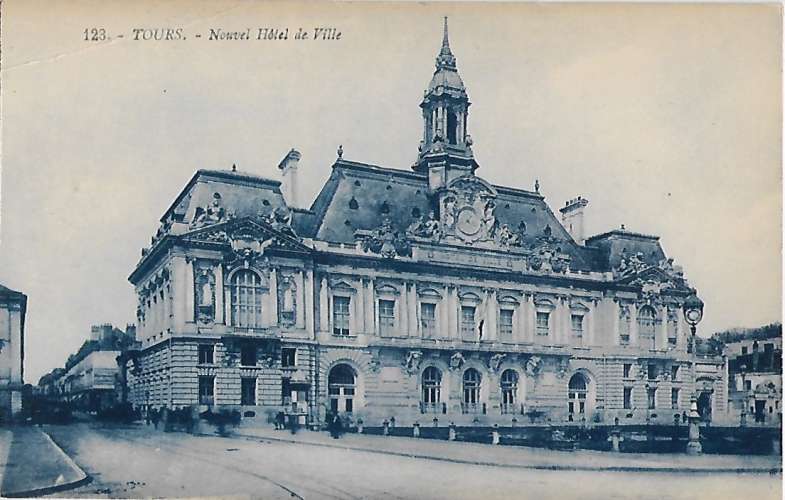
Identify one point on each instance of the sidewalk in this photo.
(524, 457)
(32, 464)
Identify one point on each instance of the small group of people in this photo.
(334, 424)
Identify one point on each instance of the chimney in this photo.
(288, 168)
(572, 218)
(95, 332)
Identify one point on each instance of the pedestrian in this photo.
(155, 417)
(279, 420)
(147, 415)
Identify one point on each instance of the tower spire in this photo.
(445, 59)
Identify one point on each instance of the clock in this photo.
(469, 221)
(693, 316)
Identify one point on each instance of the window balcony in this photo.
(511, 409)
(473, 408)
(433, 407)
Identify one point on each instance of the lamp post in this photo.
(743, 369)
(693, 313)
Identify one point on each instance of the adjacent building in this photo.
(755, 377)
(426, 295)
(13, 307)
(88, 380)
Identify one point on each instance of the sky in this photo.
(666, 117)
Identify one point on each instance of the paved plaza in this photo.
(136, 462)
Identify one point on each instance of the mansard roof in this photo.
(357, 196)
(614, 245)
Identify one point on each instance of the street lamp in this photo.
(693, 313)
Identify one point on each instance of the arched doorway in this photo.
(341, 388)
(578, 397)
(704, 406)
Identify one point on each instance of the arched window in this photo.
(646, 321)
(431, 389)
(340, 388)
(247, 299)
(471, 390)
(577, 391)
(509, 387)
(452, 127)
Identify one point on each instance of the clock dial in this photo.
(469, 221)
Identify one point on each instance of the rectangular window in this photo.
(627, 368)
(674, 372)
(628, 398)
(674, 399)
(428, 320)
(652, 393)
(467, 322)
(341, 316)
(206, 390)
(386, 317)
(505, 323)
(248, 391)
(748, 385)
(248, 355)
(542, 322)
(652, 371)
(577, 325)
(744, 349)
(288, 357)
(206, 354)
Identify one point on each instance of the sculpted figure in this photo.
(212, 214)
(448, 217)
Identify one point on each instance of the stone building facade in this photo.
(13, 307)
(420, 295)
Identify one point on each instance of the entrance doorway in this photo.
(704, 406)
(341, 388)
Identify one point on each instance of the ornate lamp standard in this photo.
(693, 313)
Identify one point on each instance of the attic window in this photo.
(266, 203)
(418, 192)
(385, 208)
(357, 183)
(522, 227)
(389, 188)
(416, 212)
(534, 209)
(506, 205)
(347, 222)
(353, 204)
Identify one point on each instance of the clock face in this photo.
(469, 221)
(693, 315)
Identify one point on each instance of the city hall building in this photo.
(423, 294)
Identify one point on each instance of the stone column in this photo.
(452, 312)
(272, 300)
(402, 305)
(189, 290)
(324, 305)
(412, 315)
(299, 281)
(491, 310)
(370, 308)
(529, 320)
(219, 294)
(634, 325)
(308, 309)
(443, 315)
(616, 310)
(661, 332)
(179, 280)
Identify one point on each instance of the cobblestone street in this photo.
(135, 462)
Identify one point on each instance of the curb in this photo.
(84, 478)
(551, 467)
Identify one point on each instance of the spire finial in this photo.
(445, 58)
(446, 39)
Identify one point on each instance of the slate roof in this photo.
(373, 189)
(611, 245)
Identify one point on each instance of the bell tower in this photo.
(445, 151)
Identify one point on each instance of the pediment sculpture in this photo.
(456, 361)
(412, 361)
(533, 366)
(209, 214)
(385, 240)
(468, 210)
(280, 220)
(547, 255)
(495, 361)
